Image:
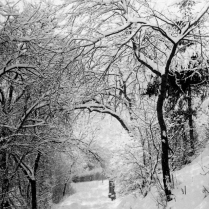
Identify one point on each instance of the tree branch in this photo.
(100, 108)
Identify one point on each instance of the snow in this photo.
(203, 204)
(149, 62)
(117, 30)
(107, 1)
(192, 179)
(90, 195)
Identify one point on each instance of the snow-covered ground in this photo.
(191, 191)
(193, 178)
(90, 195)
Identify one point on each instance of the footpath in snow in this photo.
(90, 195)
(191, 191)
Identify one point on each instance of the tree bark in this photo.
(4, 203)
(31, 176)
(164, 139)
(5, 182)
(191, 130)
(33, 183)
(33, 194)
(64, 189)
(184, 146)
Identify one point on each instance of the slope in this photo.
(191, 189)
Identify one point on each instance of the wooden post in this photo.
(112, 194)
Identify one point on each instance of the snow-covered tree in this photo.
(33, 60)
(135, 37)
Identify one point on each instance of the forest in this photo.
(100, 89)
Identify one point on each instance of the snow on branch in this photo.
(149, 64)
(38, 104)
(27, 170)
(35, 125)
(201, 14)
(131, 35)
(100, 108)
(117, 30)
(107, 1)
(195, 22)
(15, 66)
(156, 27)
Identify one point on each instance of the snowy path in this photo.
(90, 195)
(192, 178)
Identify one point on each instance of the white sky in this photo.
(162, 5)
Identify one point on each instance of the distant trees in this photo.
(34, 62)
(27, 90)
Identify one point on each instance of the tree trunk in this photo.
(164, 139)
(33, 194)
(143, 152)
(33, 183)
(64, 190)
(191, 130)
(4, 203)
(143, 147)
(5, 182)
(184, 147)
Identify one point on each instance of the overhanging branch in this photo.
(100, 108)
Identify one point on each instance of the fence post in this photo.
(112, 194)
